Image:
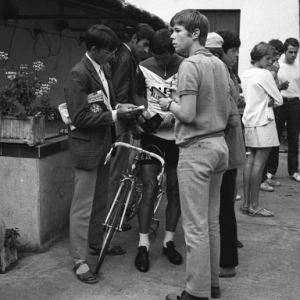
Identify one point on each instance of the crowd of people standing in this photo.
(203, 151)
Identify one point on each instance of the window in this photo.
(223, 20)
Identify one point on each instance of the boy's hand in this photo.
(275, 67)
(284, 85)
(271, 102)
(124, 111)
(164, 103)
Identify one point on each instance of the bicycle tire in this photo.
(111, 227)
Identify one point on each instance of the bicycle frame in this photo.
(130, 177)
(115, 217)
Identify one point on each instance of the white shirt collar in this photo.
(96, 65)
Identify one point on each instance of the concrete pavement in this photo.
(269, 266)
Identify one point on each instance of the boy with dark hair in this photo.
(289, 112)
(278, 45)
(158, 71)
(123, 69)
(291, 42)
(231, 41)
(93, 117)
(202, 114)
(237, 158)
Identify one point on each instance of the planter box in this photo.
(22, 130)
(8, 259)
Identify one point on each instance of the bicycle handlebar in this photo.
(139, 150)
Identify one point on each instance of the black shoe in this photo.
(184, 296)
(125, 227)
(142, 259)
(239, 244)
(87, 277)
(173, 255)
(215, 292)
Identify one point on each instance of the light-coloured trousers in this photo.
(200, 169)
(88, 209)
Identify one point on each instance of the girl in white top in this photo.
(261, 95)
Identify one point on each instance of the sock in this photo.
(144, 240)
(83, 268)
(169, 236)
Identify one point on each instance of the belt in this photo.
(290, 99)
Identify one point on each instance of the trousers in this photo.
(288, 113)
(228, 227)
(200, 169)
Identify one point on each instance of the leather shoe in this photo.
(142, 259)
(239, 244)
(112, 250)
(173, 255)
(87, 277)
(215, 292)
(125, 227)
(184, 296)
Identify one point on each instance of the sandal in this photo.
(264, 186)
(87, 277)
(244, 210)
(262, 212)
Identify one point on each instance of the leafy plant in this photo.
(22, 87)
(11, 240)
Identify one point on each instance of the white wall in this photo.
(261, 20)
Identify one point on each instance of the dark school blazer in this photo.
(88, 142)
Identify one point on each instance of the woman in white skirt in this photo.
(261, 95)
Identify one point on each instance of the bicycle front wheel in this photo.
(112, 224)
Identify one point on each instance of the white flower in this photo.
(11, 75)
(38, 66)
(23, 67)
(3, 56)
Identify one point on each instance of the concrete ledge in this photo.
(37, 193)
(50, 146)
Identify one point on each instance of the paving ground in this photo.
(269, 266)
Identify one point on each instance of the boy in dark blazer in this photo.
(90, 102)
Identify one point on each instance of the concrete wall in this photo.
(36, 196)
(261, 20)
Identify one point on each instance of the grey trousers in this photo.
(88, 209)
(200, 170)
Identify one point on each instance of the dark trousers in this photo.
(289, 112)
(228, 227)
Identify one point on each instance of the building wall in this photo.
(261, 20)
(58, 53)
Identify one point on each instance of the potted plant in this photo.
(21, 121)
(9, 255)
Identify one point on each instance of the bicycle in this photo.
(117, 211)
(136, 198)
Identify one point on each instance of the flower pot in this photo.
(8, 259)
(22, 130)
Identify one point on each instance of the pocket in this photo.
(80, 135)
